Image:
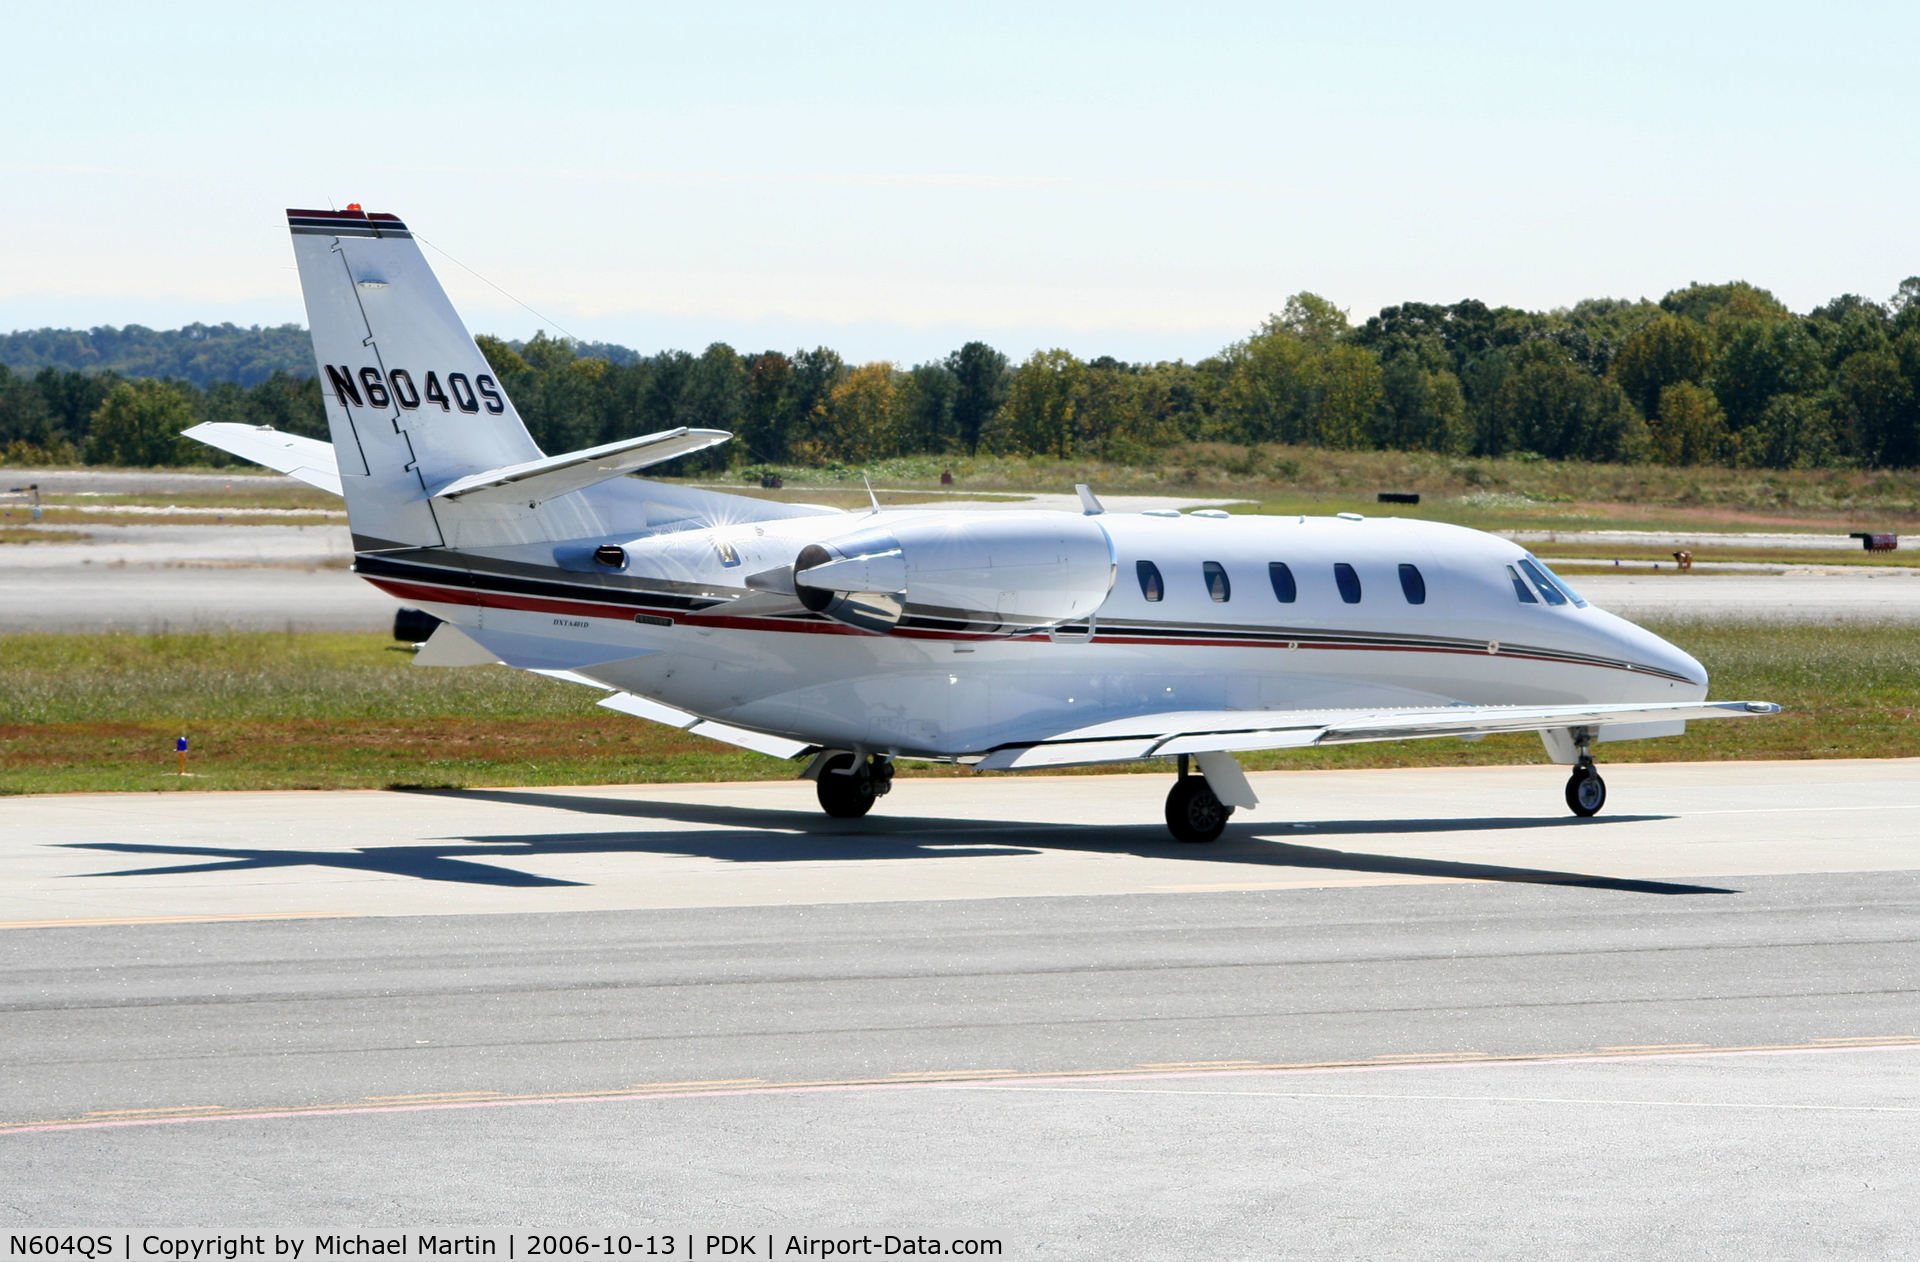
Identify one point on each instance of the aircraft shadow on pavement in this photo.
(739, 834)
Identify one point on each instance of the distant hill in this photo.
(202, 354)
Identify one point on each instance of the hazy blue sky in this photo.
(890, 179)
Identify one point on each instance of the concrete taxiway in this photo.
(1391, 1013)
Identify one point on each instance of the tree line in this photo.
(1721, 374)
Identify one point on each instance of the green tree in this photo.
(980, 387)
(1690, 428)
(1877, 404)
(1663, 352)
(1794, 431)
(140, 424)
(1760, 358)
(1735, 300)
(860, 415)
(1422, 407)
(763, 406)
(1546, 404)
(1041, 411)
(926, 401)
(711, 399)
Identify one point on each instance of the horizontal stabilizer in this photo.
(1231, 731)
(308, 459)
(546, 478)
(640, 707)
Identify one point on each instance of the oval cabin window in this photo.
(1413, 585)
(1349, 582)
(1285, 590)
(1217, 585)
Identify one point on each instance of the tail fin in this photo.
(411, 401)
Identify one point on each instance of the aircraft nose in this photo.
(1645, 649)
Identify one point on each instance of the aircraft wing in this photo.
(308, 459)
(1233, 731)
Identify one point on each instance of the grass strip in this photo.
(323, 711)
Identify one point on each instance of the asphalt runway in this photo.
(1390, 1014)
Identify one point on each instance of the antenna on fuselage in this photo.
(870, 494)
(1089, 502)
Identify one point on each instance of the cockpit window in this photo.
(1521, 589)
(1544, 576)
(1548, 590)
(1217, 585)
(1150, 585)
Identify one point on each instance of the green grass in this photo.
(36, 534)
(313, 710)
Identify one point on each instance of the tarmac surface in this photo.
(1390, 1014)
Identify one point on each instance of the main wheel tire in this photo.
(843, 795)
(1194, 814)
(1586, 791)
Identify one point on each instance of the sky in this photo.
(892, 180)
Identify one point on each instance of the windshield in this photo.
(1537, 570)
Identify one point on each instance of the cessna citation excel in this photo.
(997, 640)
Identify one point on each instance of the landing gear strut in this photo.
(1586, 791)
(847, 786)
(1194, 813)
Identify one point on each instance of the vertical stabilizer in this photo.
(412, 403)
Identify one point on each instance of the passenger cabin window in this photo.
(1217, 585)
(1549, 590)
(1520, 588)
(1150, 585)
(1285, 590)
(1413, 585)
(1349, 582)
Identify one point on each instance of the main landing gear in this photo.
(847, 786)
(1586, 791)
(1194, 812)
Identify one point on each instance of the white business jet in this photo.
(997, 640)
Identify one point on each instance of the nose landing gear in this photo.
(1194, 812)
(847, 785)
(1586, 791)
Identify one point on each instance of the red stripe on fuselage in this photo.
(624, 613)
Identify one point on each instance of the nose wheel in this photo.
(1586, 791)
(847, 786)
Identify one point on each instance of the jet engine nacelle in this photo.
(983, 572)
